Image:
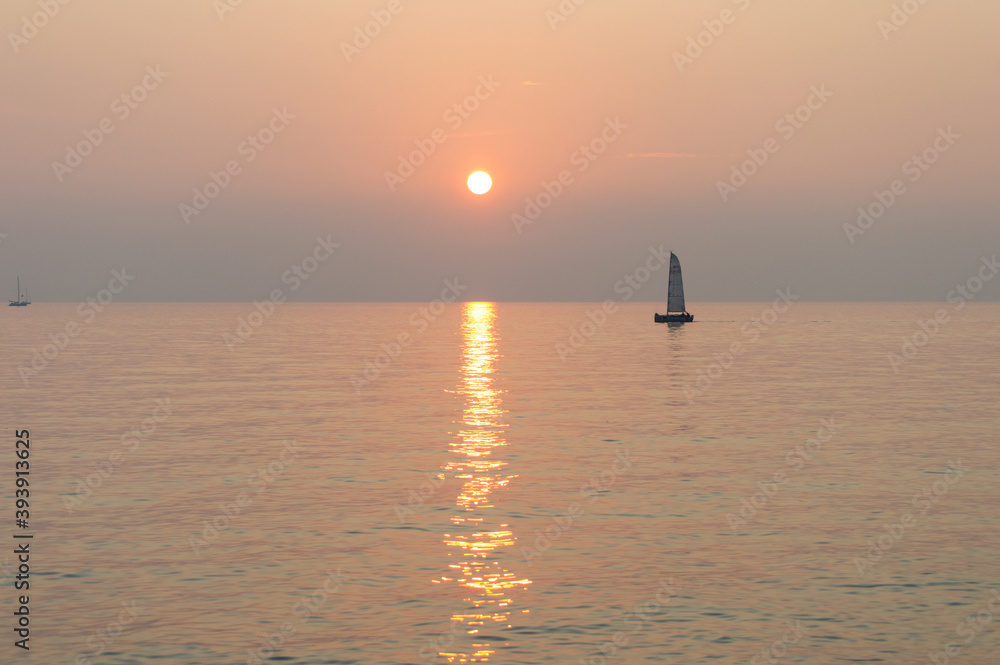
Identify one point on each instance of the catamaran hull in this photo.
(673, 318)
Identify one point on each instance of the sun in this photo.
(480, 182)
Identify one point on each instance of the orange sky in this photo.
(552, 87)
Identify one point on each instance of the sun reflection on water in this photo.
(479, 569)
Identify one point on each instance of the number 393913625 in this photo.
(22, 449)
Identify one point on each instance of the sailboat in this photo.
(676, 312)
(22, 301)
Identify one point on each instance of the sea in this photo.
(308, 484)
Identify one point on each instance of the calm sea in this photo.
(508, 483)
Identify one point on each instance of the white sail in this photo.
(675, 289)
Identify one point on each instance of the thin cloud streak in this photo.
(658, 155)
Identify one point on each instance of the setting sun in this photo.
(480, 182)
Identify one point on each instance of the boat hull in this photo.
(673, 318)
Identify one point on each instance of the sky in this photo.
(743, 135)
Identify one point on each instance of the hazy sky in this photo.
(533, 86)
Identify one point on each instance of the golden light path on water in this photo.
(476, 564)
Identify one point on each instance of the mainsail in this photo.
(675, 289)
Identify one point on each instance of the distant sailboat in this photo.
(22, 301)
(676, 312)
